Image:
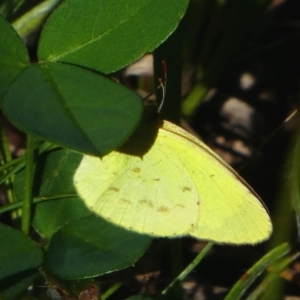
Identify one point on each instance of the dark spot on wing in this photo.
(146, 202)
(186, 189)
(156, 179)
(113, 189)
(163, 209)
(136, 170)
(125, 200)
(180, 205)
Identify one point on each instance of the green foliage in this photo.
(107, 29)
(84, 106)
(20, 259)
(14, 57)
(53, 176)
(67, 101)
(92, 247)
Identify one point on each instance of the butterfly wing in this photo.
(230, 211)
(153, 194)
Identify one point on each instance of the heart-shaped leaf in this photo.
(54, 177)
(13, 57)
(20, 259)
(91, 246)
(108, 35)
(72, 107)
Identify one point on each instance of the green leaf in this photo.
(50, 216)
(53, 177)
(273, 284)
(72, 107)
(108, 35)
(14, 56)
(55, 171)
(243, 284)
(57, 177)
(90, 246)
(20, 259)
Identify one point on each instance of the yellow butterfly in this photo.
(166, 183)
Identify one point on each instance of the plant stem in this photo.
(176, 256)
(243, 284)
(19, 5)
(17, 205)
(272, 285)
(34, 18)
(111, 290)
(11, 163)
(188, 269)
(20, 161)
(6, 158)
(29, 171)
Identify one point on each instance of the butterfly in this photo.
(164, 182)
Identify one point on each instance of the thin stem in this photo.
(243, 284)
(34, 18)
(6, 157)
(20, 161)
(272, 286)
(11, 163)
(188, 269)
(19, 5)
(29, 172)
(36, 200)
(176, 256)
(111, 290)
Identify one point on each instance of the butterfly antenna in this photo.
(163, 85)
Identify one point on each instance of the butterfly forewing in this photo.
(152, 194)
